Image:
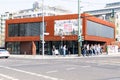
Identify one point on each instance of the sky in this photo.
(86, 5)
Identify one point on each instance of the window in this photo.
(97, 29)
(25, 29)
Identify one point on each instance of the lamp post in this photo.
(43, 28)
(62, 37)
(79, 30)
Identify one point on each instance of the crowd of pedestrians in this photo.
(87, 50)
(91, 49)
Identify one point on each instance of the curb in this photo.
(45, 57)
(62, 57)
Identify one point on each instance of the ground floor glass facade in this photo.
(13, 47)
(25, 47)
(16, 47)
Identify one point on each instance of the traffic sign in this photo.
(80, 38)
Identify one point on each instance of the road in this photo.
(88, 68)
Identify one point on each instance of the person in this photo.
(98, 49)
(91, 50)
(106, 49)
(101, 51)
(53, 50)
(56, 52)
(69, 50)
(64, 50)
(61, 49)
(84, 50)
(95, 49)
(88, 50)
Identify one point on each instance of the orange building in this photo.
(23, 35)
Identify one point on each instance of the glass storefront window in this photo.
(13, 48)
(25, 29)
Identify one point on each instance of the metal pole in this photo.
(61, 38)
(43, 27)
(79, 30)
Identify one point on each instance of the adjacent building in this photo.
(3, 18)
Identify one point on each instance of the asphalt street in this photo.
(88, 68)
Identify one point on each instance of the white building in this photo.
(36, 11)
(3, 18)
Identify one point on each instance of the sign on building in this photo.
(66, 27)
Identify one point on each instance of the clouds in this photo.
(14, 5)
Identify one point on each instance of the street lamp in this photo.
(62, 37)
(43, 28)
(79, 30)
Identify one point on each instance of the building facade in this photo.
(23, 35)
(35, 11)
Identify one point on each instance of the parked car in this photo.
(4, 53)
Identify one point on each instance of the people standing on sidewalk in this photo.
(106, 49)
(64, 50)
(95, 49)
(69, 50)
(53, 50)
(91, 50)
(61, 50)
(88, 50)
(84, 50)
(99, 49)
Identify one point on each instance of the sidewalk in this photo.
(61, 56)
(45, 56)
